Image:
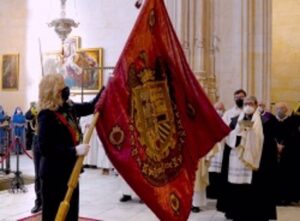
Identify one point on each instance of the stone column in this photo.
(243, 48)
(194, 28)
(227, 43)
(256, 48)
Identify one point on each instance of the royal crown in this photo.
(147, 75)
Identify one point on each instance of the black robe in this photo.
(289, 160)
(59, 157)
(255, 201)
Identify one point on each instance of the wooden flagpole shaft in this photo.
(65, 205)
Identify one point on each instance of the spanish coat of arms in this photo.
(156, 132)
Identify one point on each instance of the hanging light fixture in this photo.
(63, 26)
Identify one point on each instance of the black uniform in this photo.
(58, 136)
(289, 161)
(32, 133)
(29, 130)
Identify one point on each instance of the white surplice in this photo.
(215, 156)
(246, 157)
(201, 182)
(96, 155)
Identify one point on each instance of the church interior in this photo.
(230, 45)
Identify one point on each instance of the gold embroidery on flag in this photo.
(157, 134)
(175, 203)
(116, 136)
(154, 119)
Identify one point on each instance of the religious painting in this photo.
(83, 71)
(72, 43)
(10, 72)
(52, 63)
(79, 67)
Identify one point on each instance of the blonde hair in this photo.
(50, 92)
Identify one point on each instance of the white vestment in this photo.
(201, 182)
(231, 113)
(246, 157)
(96, 155)
(215, 156)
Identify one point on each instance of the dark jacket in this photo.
(55, 141)
(58, 134)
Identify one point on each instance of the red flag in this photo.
(155, 120)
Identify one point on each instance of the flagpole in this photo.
(65, 205)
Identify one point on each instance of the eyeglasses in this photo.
(249, 104)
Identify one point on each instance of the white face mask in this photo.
(260, 109)
(249, 109)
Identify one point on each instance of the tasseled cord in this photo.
(138, 3)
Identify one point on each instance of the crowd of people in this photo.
(252, 170)
(249, 173)
(16, 126)
(255, 168)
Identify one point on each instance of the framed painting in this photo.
(81, 68)
(52, 62)
(73, 42)
(10, 72)
(84, 70)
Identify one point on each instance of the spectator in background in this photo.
(265, 115)
(288, 146)
(4, 123)
(30, 117)
(18, 121)
(228, 117)
(214, 160)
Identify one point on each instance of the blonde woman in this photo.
(59, 141)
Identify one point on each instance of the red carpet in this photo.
(37, 217)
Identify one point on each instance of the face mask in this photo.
(65, 94)
(280, 114)
(239, 103)
(220, 112)
(260, 109)
(249, 109)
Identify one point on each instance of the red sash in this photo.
(73, 131)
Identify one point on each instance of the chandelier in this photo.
(63, 26)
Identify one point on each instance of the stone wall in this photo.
(103, 23)
(286, 52)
